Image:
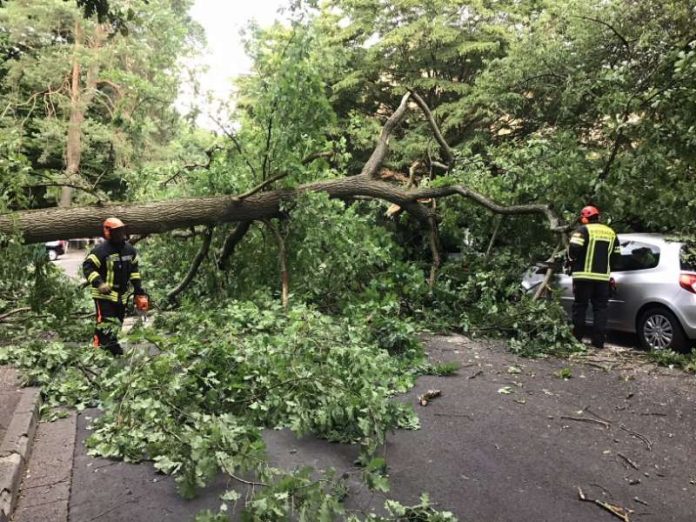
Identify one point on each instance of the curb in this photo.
(15, 449)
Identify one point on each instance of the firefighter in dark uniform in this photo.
(591, 250)
(110, 268)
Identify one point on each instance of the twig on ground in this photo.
(637, 435)
(588, 410)
(476, 374)
(580, 419)
(454, 415)
(617, 511)
(249, 483)
(15, 311)
(604, 490)
(628, 461)
(424, 399)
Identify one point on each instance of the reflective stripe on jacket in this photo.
(590, 251)
(117, 267)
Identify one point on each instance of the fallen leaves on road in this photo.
(506, 390)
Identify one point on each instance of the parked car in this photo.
(655, 294)
(55, 248)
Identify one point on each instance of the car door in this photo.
(638, 260)
(564, 284)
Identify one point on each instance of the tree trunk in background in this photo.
(80, 99)
(73, 144)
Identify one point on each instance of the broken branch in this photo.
(202, 253)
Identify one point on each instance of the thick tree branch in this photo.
(447, 151)
(282, 264)
(371, 168)
(231, 243)
(494, 236)
(91, 192)
(15, 311)
(202, 253)
(435, 247)
(554, 222)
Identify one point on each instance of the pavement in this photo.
(19, 414)
(71, 263)
(507, 440)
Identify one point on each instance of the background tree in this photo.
(84, 103)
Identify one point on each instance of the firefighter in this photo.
(110, 268)
(593, 247)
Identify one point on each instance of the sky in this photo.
(223, 20)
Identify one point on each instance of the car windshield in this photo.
(687, 256)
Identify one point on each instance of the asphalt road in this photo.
(508, 440)
(71, 262)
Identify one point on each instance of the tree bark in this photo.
(282, 265)
(148, 218)
(73, 145)
(231, 243)
(80, 99)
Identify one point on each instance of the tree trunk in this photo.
(65, 223)
(77, 116)
(80, 99)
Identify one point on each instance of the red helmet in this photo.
(111, 224)
(588, 212)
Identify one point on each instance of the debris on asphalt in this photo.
(505, 390)
(637, 435)
(582, 419)
(476, 374)
(424, 399)
(628, 461)
(617, 511)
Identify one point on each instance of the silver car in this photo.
(655, 295)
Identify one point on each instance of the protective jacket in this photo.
(114, 265)
(591, 250)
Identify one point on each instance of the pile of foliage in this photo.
(196, 393)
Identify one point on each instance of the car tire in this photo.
(659, 329)
(52, 255)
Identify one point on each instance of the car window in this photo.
(636, 255)
(687, 257)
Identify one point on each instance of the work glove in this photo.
(612, 287)
(104, 289)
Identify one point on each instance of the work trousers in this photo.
(598, 293)
(109, 317)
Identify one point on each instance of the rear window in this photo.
(687, 257)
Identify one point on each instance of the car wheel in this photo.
(659, 329)
(52, 255)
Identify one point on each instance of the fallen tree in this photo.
(147, 218)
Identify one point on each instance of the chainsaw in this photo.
(141, 303)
